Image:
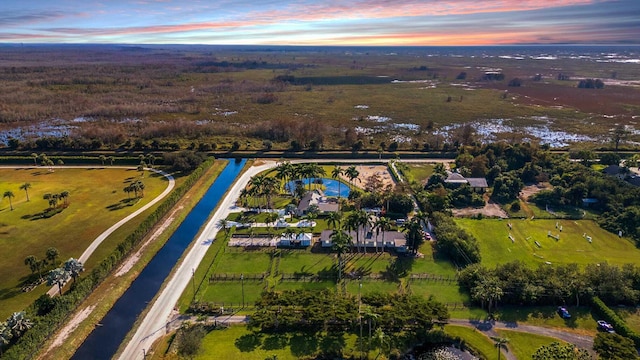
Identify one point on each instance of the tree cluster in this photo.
(591, 84)
(558, 284)
(453, 242)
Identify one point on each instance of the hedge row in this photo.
(619, 324)
(73, 160)
(28, 345)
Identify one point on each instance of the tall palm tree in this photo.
(255, 184)
(334, 219)
(269, 188)
(26, 186)
(9, 194)
(73, 267)
(340, 243)
(352, 173)
(151, 160)
(65, 196)
(500, 343)
(283, 173)
(414, 234)
(52, 255)
(128, 189)
(360, 219)
(224, 225)
(382, 224)
(352, 224)
(271, 218)
(35, 158)
(57, 276)
(111, 160)
(336, 172)
(102, 159)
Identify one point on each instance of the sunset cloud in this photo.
(356, 22)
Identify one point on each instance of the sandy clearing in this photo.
(133, 259)
(69, 328)
(366, 171)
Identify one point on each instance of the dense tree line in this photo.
(453, 242)
(519, 284)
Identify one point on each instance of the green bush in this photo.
(610, 316)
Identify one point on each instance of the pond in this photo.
(330, 187)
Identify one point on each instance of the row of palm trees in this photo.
(286, 171)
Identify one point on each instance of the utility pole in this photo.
(242, 282)
(193, 281)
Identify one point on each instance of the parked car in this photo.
(563, 312)
(605, 326)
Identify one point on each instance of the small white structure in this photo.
(295, 240)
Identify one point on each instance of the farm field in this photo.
(96, 201)
(496, 246)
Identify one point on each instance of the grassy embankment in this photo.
(96, 201)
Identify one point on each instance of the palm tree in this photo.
(383, 224)
(269, 188)
(283, 173)
(352, 173)
(35, 158)
(340, 242)
(224, 225)
(33, 263)
(18, 323)
(9, 194)
(26, 187)
(111, 160)
(52, 255)
(271, 218)
(255, 189)
(141, 167)
(102, 159)
(500, 343)
(128, 189)
(334, 219)
(335, 174)
(351, 224)
(57, 276)
(140, 186)
(73, 267)
(359, 219)
(151, 159)
(64, 196)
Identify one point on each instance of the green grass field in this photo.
(236, 342)
(95, 203)
(582, 320)
(418, 172)
(475, 339)
(523, 345)
(572, 247)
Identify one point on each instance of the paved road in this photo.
(156, 321)
(94, 245)
(489, 327)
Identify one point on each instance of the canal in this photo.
(104, 341)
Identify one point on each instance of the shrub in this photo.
(515, 206)
(610, 316)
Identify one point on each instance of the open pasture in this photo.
(96, 201)
(532, 244)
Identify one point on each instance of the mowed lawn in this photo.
(96, 202)
(572, 247)
(523, 344)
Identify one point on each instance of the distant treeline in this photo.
(332, 80)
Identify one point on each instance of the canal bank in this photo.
(105, 339)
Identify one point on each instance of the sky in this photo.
(319, 22)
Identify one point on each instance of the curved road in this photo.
(489, 327)
(94, 245)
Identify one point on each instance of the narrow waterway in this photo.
(105, 339)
